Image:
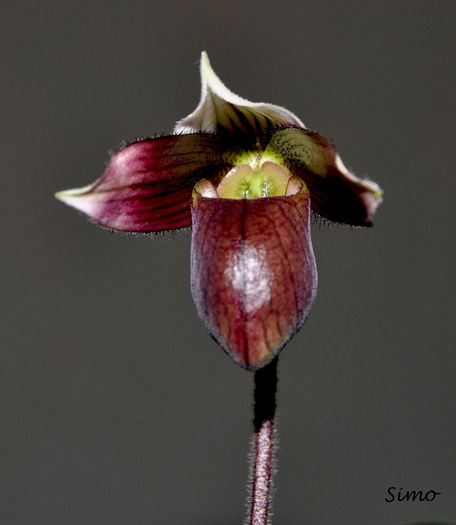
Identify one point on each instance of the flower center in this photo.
(247, 182)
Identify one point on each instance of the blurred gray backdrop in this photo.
(116, 406)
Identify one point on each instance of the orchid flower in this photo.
(246, 176)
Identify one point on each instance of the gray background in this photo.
(116, 406)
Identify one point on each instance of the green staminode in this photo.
(246, 182)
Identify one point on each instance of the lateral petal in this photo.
(253, 271)
(147, 185)
(336, 194)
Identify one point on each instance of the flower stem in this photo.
(263, 456)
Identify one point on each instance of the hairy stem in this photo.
(263, 456)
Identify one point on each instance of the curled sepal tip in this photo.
(253, 270)
(223, 111)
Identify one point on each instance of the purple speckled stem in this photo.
(263, 456)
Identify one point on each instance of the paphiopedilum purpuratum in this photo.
(246, 177)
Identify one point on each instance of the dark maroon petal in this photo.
(335, 193)
(147, 185)
(253, 272)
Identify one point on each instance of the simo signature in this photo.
(410, 495)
